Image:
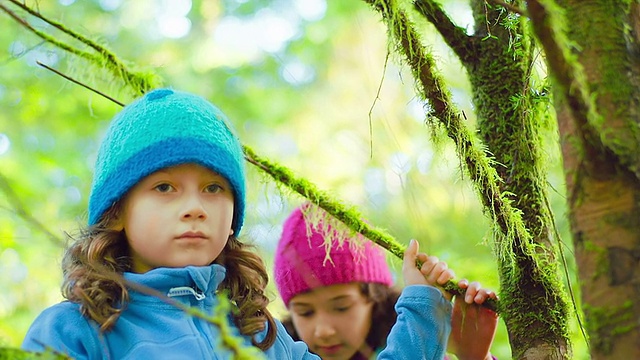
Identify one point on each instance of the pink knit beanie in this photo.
(302, 264)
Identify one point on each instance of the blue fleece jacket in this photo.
(152, 329)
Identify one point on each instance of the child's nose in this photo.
(193, 208)
(324, 329)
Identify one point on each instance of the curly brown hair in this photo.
(93, 264)
(383, 314)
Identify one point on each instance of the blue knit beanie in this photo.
(161, 129)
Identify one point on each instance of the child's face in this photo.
(177, 216)
(333, 321)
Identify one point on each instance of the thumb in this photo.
(410, 254)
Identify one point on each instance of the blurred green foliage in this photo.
(308, 83)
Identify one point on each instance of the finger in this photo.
(463, 283)
(483, 295)
(445, 277)
(437, 269)
(422, 257)
(472, 292)
(428, 265)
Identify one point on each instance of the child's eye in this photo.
(305, 314)
(163, 188)
(213, 188)
(342, 309)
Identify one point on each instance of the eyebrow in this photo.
(302, 305)
(340, 297)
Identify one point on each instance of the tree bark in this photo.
(509, 123)
(498, 59)
(600, 162)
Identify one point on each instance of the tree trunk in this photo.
(509, 123)
(601, 168)
(498, 58)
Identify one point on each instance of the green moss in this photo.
(528, 326)
(19, 354)
(138, 82)
(511, 183)
(508, 113)
(228, 339)
(606, 323)
(602, 259)
(605, 81)
(343, 214)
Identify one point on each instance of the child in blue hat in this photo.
(166, 208)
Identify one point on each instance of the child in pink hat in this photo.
(342, 302)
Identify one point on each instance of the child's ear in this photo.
(230, 232)
(117, 224)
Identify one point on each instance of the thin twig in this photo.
(375, 101)
(79, 83)
(565, 267)
(14, 57)
(20, 210)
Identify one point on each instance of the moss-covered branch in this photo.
(509, 124)
(19, 354)
(50, 39)
(563, 64)
(453, 35)
(572, 85)
(432, 88)
(139, 82)
(347, 215)
(218, 319)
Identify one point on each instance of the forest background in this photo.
(308, 83)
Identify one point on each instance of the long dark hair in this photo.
(94, 262)
(383, 315)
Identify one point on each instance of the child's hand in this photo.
(433, 272)
(472, 325)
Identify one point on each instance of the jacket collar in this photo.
(202, 279)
